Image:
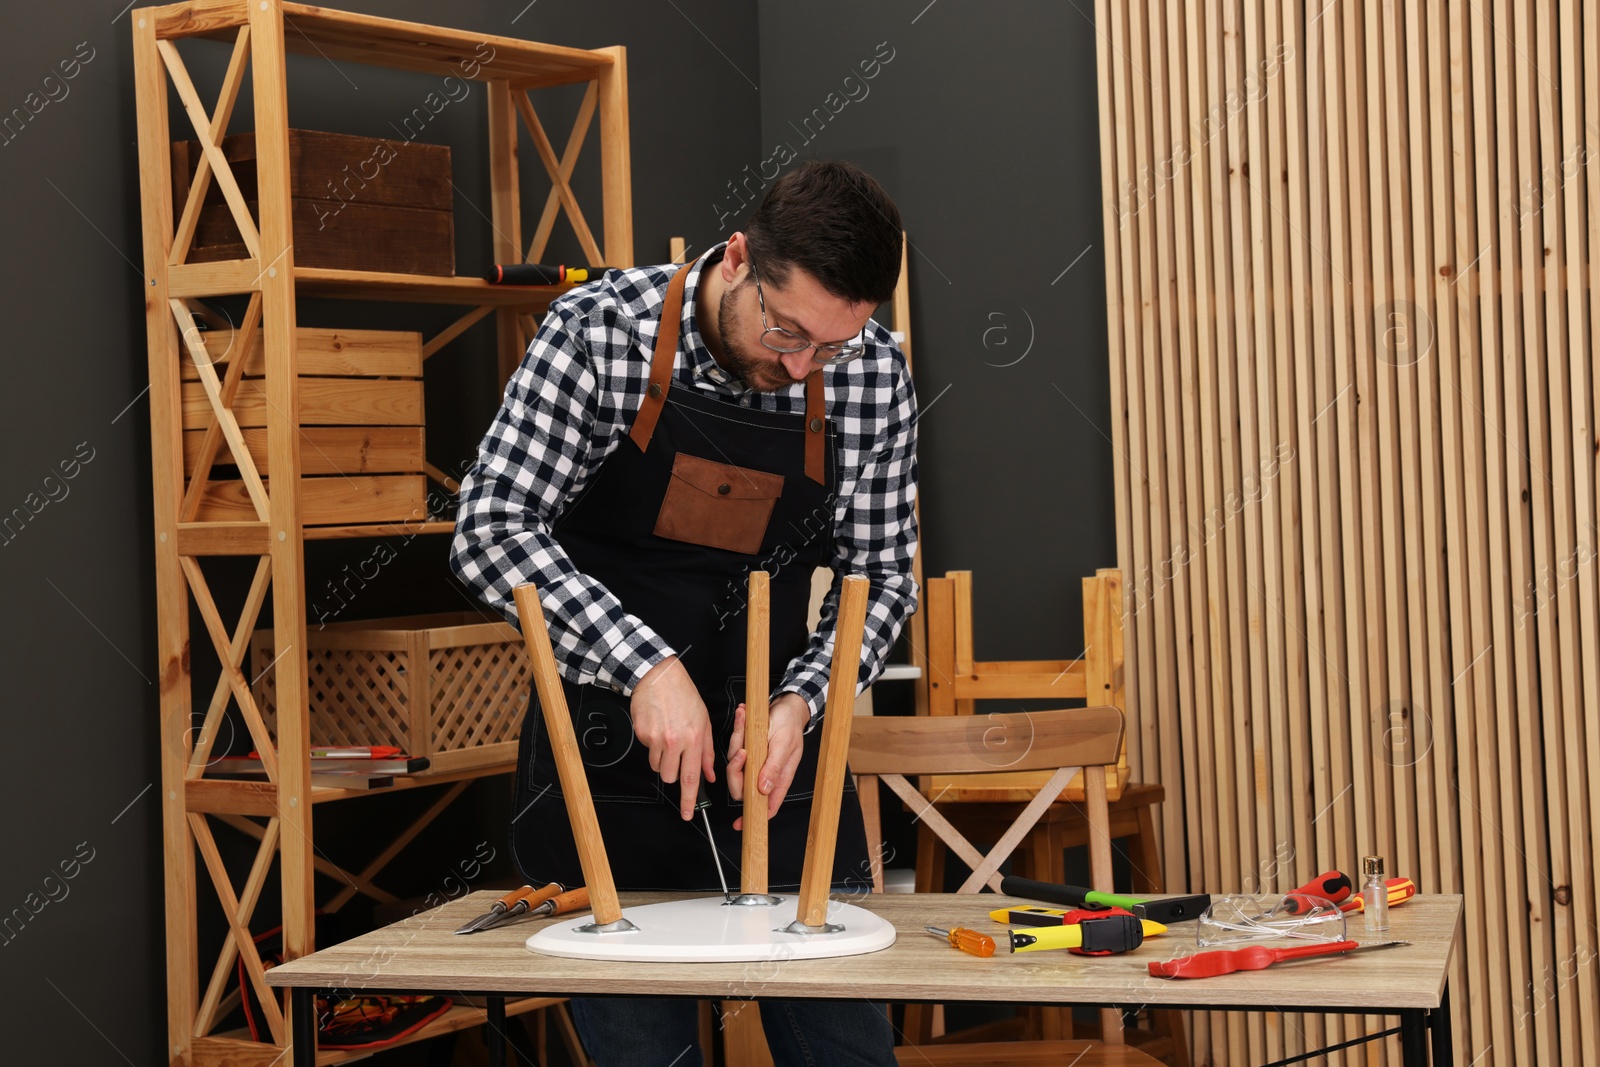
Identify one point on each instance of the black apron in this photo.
(703, 492)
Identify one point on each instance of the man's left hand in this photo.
(786, 723)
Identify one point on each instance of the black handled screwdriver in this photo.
(702, 804)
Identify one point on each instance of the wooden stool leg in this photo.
(816, 876)
(744, 1042)
(753, 873)
(569, 764)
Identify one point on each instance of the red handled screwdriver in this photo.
(1400, 891)
(1253, 958)
(1332, 886)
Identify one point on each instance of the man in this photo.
(669, 430)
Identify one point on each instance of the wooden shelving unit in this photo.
(277, 513)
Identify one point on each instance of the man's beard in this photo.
(762, 375)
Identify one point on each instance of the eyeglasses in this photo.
(780, 340)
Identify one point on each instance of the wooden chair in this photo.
(1060, 746)
(982, 806)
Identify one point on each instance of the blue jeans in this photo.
(664, 1032)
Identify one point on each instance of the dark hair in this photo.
(833, 221)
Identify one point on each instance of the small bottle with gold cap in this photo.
(1374, 895)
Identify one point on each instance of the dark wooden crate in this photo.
(358, 203)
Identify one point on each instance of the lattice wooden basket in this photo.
(452, 687)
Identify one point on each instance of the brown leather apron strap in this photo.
(655, 394)
(816, 426)
(661, 361)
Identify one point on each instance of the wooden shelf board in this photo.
(377, 529)
(459, 1017)
(249, 797)
(383, 42)
(321, 794)
(328, 283)
(232, 1047)
(227, 276)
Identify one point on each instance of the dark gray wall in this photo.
(983, 128)
(84, 978)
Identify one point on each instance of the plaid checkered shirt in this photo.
(572, 401)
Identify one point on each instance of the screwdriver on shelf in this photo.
(1253, 958)
(512, 904)
(966, 940)
(539, 274)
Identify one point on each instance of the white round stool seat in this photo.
(706, 930)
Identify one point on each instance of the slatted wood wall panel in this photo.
(1351, 252)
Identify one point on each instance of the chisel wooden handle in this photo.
(534, 897)
(511, 898)
(571, 900)
(527, 898)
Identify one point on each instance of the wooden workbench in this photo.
(422, 954)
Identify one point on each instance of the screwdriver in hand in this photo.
(966, 940)
(702, 804)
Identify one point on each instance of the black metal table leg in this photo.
(495, 1038)
(303, 1009)
(1414, 1037)
(1444, 1054)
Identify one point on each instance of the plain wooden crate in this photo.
(452, 687)
(361, 446)
(358, 203)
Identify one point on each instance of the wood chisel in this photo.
(571, 900)
(513, 904)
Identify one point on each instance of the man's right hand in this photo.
(671, 720)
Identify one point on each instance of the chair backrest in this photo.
(957, 680)
(1066, 741)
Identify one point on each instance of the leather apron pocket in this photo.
(717, 505)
